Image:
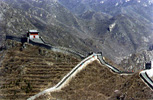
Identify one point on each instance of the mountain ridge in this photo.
(91, 30)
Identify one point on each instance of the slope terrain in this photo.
(19, 16)
(137, 61)
(108, 6)
(26, 71)
(118, 27)
(98, 83)
(121, 26)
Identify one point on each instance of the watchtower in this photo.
(32, 35)
(149, 65)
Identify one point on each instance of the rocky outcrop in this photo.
(137, 61)
(111, 27)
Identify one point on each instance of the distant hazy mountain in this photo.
(115, 27)
(112, 7)
(131, 22)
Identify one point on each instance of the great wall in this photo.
(71, 72)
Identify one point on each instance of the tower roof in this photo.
(33, 31)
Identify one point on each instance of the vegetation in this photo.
(97, 82)
(26, 72)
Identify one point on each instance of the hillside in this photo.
(26, 15)
(96, 82)
(131, 20)
(108, 6)
(26, 71)
(120, 29)
(85, 24)
(137, 61)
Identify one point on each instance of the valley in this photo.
(60, 23)
(89, 49)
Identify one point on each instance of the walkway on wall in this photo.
(145, 75)
(114, 69)
(43, 44)
(78, 68)
(68, 77)
(82, 65)
(40, 42)
(146, 78)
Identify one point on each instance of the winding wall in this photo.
(82, 65)
(147, 80)
(43, 44)
(68, 77)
